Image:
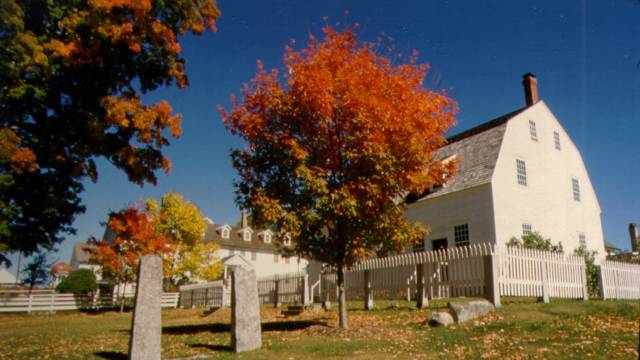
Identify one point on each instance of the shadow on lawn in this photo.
(111, 355)
(224, 327)
(225, 348)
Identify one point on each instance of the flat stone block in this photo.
(469, 310)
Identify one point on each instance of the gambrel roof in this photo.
(476, 153)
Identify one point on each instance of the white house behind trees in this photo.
(516, 174)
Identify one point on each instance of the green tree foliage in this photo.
(592, 269)
(36, 272)
(72, 74)
(535, 240)
(81, 281)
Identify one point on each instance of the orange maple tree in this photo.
(133, 235)
(333, 149)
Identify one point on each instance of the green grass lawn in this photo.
(521, 329)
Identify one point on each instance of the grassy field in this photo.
(521, 329)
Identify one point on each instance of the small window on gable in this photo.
(533, 131)
(526, 229)
(287, 240)
(225, 233)
(556, 139)
(521, 167)
(575, 184)
(582, 238)
(246, 235)
(461, 235)
(267, 238)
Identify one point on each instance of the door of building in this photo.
(438, 244)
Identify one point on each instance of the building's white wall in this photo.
(472, 206)
(265, 263)
(547, 201)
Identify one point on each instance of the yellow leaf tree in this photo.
(182, 220)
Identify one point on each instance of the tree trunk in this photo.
(122, 299)
(342, 299)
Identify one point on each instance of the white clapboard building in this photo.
(516, 174)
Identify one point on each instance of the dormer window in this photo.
(286, 240)
(224, 231)
(246, 233)
(266, 236)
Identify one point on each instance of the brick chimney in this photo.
(530, 88)
(245, 219)
(635, 237)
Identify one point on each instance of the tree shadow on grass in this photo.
(225, 348)
(110, 355)
(224, 327)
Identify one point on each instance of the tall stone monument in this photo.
(146, 326)
(245, 311)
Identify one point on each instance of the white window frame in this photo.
(225, 233)
(527, 229)
(461, 235)
(575, 187)
(246, 235)
(533, 131)
(521, 172)
(286, 240)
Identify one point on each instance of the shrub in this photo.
(535, 240)
(81, 281)
(592, 269)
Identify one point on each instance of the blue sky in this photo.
(586, 56)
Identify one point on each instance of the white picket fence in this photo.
(25, 302)
(526, 272)
(618, 280)
(461, 272)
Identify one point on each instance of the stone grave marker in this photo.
(146, 325)
(245, 311)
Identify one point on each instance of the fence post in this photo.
(276, 291)
(601, 290)
(223, 301)
(368, 296)
(30, 301)
(492, 279)
(421, 299)
(305, 290)
(326, 303)
(585, 287)
(545, 282)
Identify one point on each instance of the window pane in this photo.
(556, 139)
(583, 240)
(532, 130)
(576, 189)
(522, 172)
(461, 235)
(526, 229)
